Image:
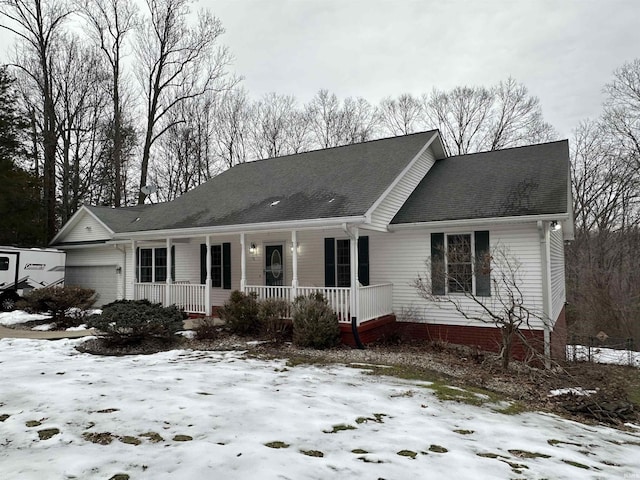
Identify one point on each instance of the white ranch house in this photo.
(355, 222)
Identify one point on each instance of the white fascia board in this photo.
(75, 218)
(316, 223)
(402, 174)
(480, 221)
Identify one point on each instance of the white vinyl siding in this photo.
(556, 258)
(87, 229)
(389, 206)
(400, 257)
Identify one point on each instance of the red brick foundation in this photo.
(369, 332)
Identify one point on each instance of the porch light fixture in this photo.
(555, 226)
(252, 248)
(297, 247)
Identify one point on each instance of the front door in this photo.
(274, 266)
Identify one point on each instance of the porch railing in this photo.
(375, 301)
(190, 297)
(154, 292)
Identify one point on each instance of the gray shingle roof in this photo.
(531, 180)
(335, 182)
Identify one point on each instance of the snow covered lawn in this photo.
(199, 415)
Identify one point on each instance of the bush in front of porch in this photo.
(130, 322)
(240, 313)
(315, 324)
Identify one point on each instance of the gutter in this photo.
(559, 217)
(316, 223)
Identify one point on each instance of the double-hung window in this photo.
(152, 265)
(337, 261)
(460, 263)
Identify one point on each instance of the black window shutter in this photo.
(203, 263)
(329, 262)
(437, 264)
(137, 260)
(226, 266)
(483, 263)
(173, 263)
(363, 260)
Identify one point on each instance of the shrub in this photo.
(128, 322)
(63, 303)
(314, 323)
(273, 314)
(206, 329)
(240, 313)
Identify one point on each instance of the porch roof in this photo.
(331, 183)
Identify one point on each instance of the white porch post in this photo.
(207, 283)
(355, 301)
(134, 270)
(167, 295)
(294, 281)
(243, 264)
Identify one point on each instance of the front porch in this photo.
(373, 301)
(166, 271)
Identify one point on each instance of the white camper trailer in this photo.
(25, 269)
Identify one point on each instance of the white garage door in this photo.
(102, 279)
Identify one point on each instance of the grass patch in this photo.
(437, 449)
(339, 428)
(525, 454)
(3, 417)
(182, 438)
(153, 437)
(370, 460)
(130, 440)
(120, 476)
(553, 442)
(464, 432)
(102, 438)
(406, 372)
(359, 451)
(490, 455)
(33, 423)
(576, 464)
(295, 360)
(277, 444)
(107, 410)
(514, 408)
(407, 453)
(312, 453)
(47, 433)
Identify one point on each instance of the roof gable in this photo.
(519, 181)
(83, 226)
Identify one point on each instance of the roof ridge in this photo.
(508, 148)
(393, 137)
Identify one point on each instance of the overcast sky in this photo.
(564, 51)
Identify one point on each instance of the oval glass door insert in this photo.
(276, 264)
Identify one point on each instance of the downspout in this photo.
(354, 304)
(543, 230)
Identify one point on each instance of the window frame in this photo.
(154, 266)
(4, 262)
(471, 263)
(342, 265)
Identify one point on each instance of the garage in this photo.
(101, 278)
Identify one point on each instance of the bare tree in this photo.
(231, 128)
(325, 119)
(507, 308)
(401, 115)
(38, 25)
(461, 115)
(271, 117)
(176, 62)
(110, 22)
(359, 121)
(473, 119)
